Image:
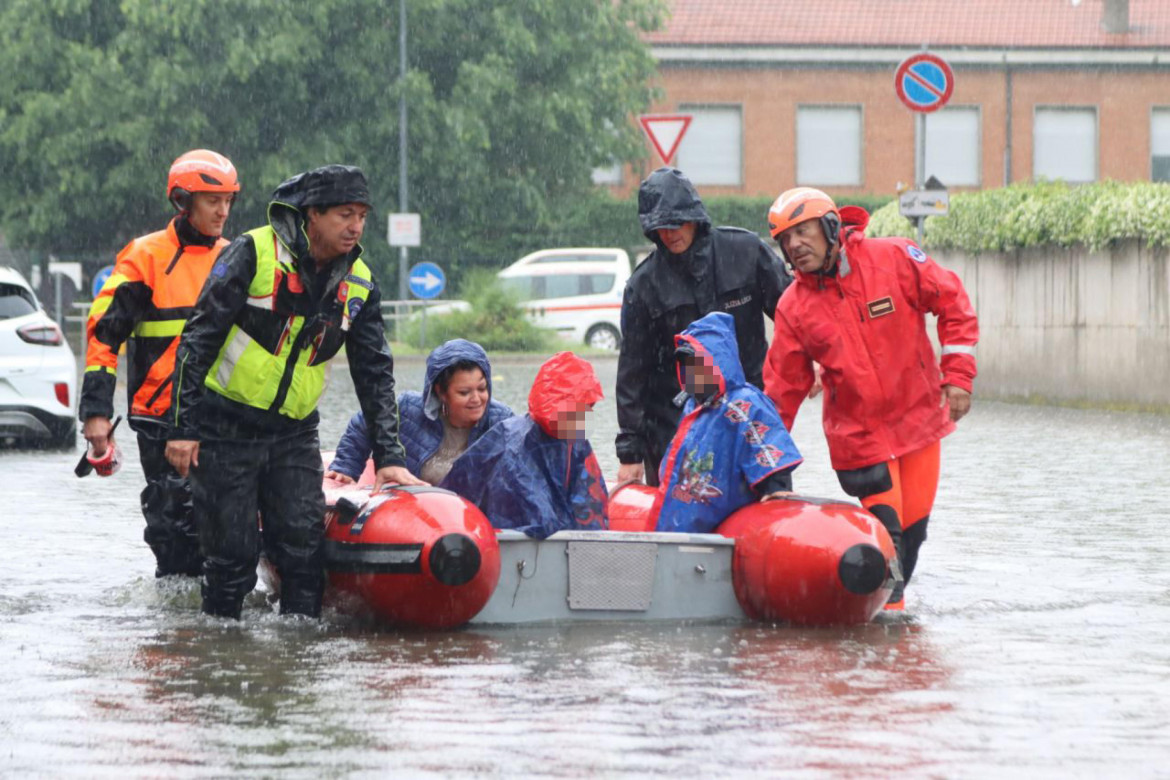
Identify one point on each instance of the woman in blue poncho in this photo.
(537, 473)
(436, 427)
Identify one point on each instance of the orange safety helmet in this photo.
(200, 170)
(800, 205)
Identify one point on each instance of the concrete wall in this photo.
(1071, 324)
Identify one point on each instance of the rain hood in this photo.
(667, 199)
(713, 336)
(443, 357)
(328, 185)
(564, 381)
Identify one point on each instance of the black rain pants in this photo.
(167, 507)
(238, 483)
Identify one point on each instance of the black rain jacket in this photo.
(725, 269)
(202, 414)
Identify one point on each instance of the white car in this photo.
(38, 373)
(576, 292)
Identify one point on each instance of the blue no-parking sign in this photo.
(924, 82)
(99, 279)
(427, 280)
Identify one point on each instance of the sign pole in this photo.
(920, 164)
(402, 152)
(924, 83)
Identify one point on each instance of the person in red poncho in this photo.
(538, 473)
(858, 310)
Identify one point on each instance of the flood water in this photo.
(1036, 641)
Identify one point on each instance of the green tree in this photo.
(512, 103)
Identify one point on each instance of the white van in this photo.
(576, 292)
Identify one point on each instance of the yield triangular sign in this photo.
(666, 132)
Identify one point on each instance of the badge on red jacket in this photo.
(881, 307)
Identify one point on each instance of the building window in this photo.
(1064, 144)
(828, 145)
(1160, 144)
(711, 152)
(953, 154)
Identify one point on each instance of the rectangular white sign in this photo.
(405, 230)
(924, 203)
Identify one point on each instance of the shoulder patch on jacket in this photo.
(916, 254)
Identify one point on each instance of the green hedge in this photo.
(496, 321)
(1048, 213)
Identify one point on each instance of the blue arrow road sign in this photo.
(427, 280)
(99, 279)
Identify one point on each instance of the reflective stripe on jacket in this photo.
(144, 304)
(866, 327)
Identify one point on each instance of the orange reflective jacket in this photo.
(145, 303)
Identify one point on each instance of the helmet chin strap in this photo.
(826, 264)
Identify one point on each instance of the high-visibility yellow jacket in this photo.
(257, 343)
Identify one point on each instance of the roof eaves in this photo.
(731, 54)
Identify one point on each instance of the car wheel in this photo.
(604, 337)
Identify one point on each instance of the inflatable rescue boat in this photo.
(424, 557)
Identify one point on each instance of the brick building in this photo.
(788, 92)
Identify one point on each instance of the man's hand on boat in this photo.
(959, 400)
(183, 454)
(630, 472)
(395, 475)
(337, 476)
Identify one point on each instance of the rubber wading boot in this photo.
(897, 600)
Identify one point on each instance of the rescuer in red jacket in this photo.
(858, 310)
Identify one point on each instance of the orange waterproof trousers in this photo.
(907, 503)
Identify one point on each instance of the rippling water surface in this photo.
(1036, 641)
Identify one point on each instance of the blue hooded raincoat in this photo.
(419, 426)
(724, 447)
(521, 476)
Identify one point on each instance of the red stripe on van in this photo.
(577, 308)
